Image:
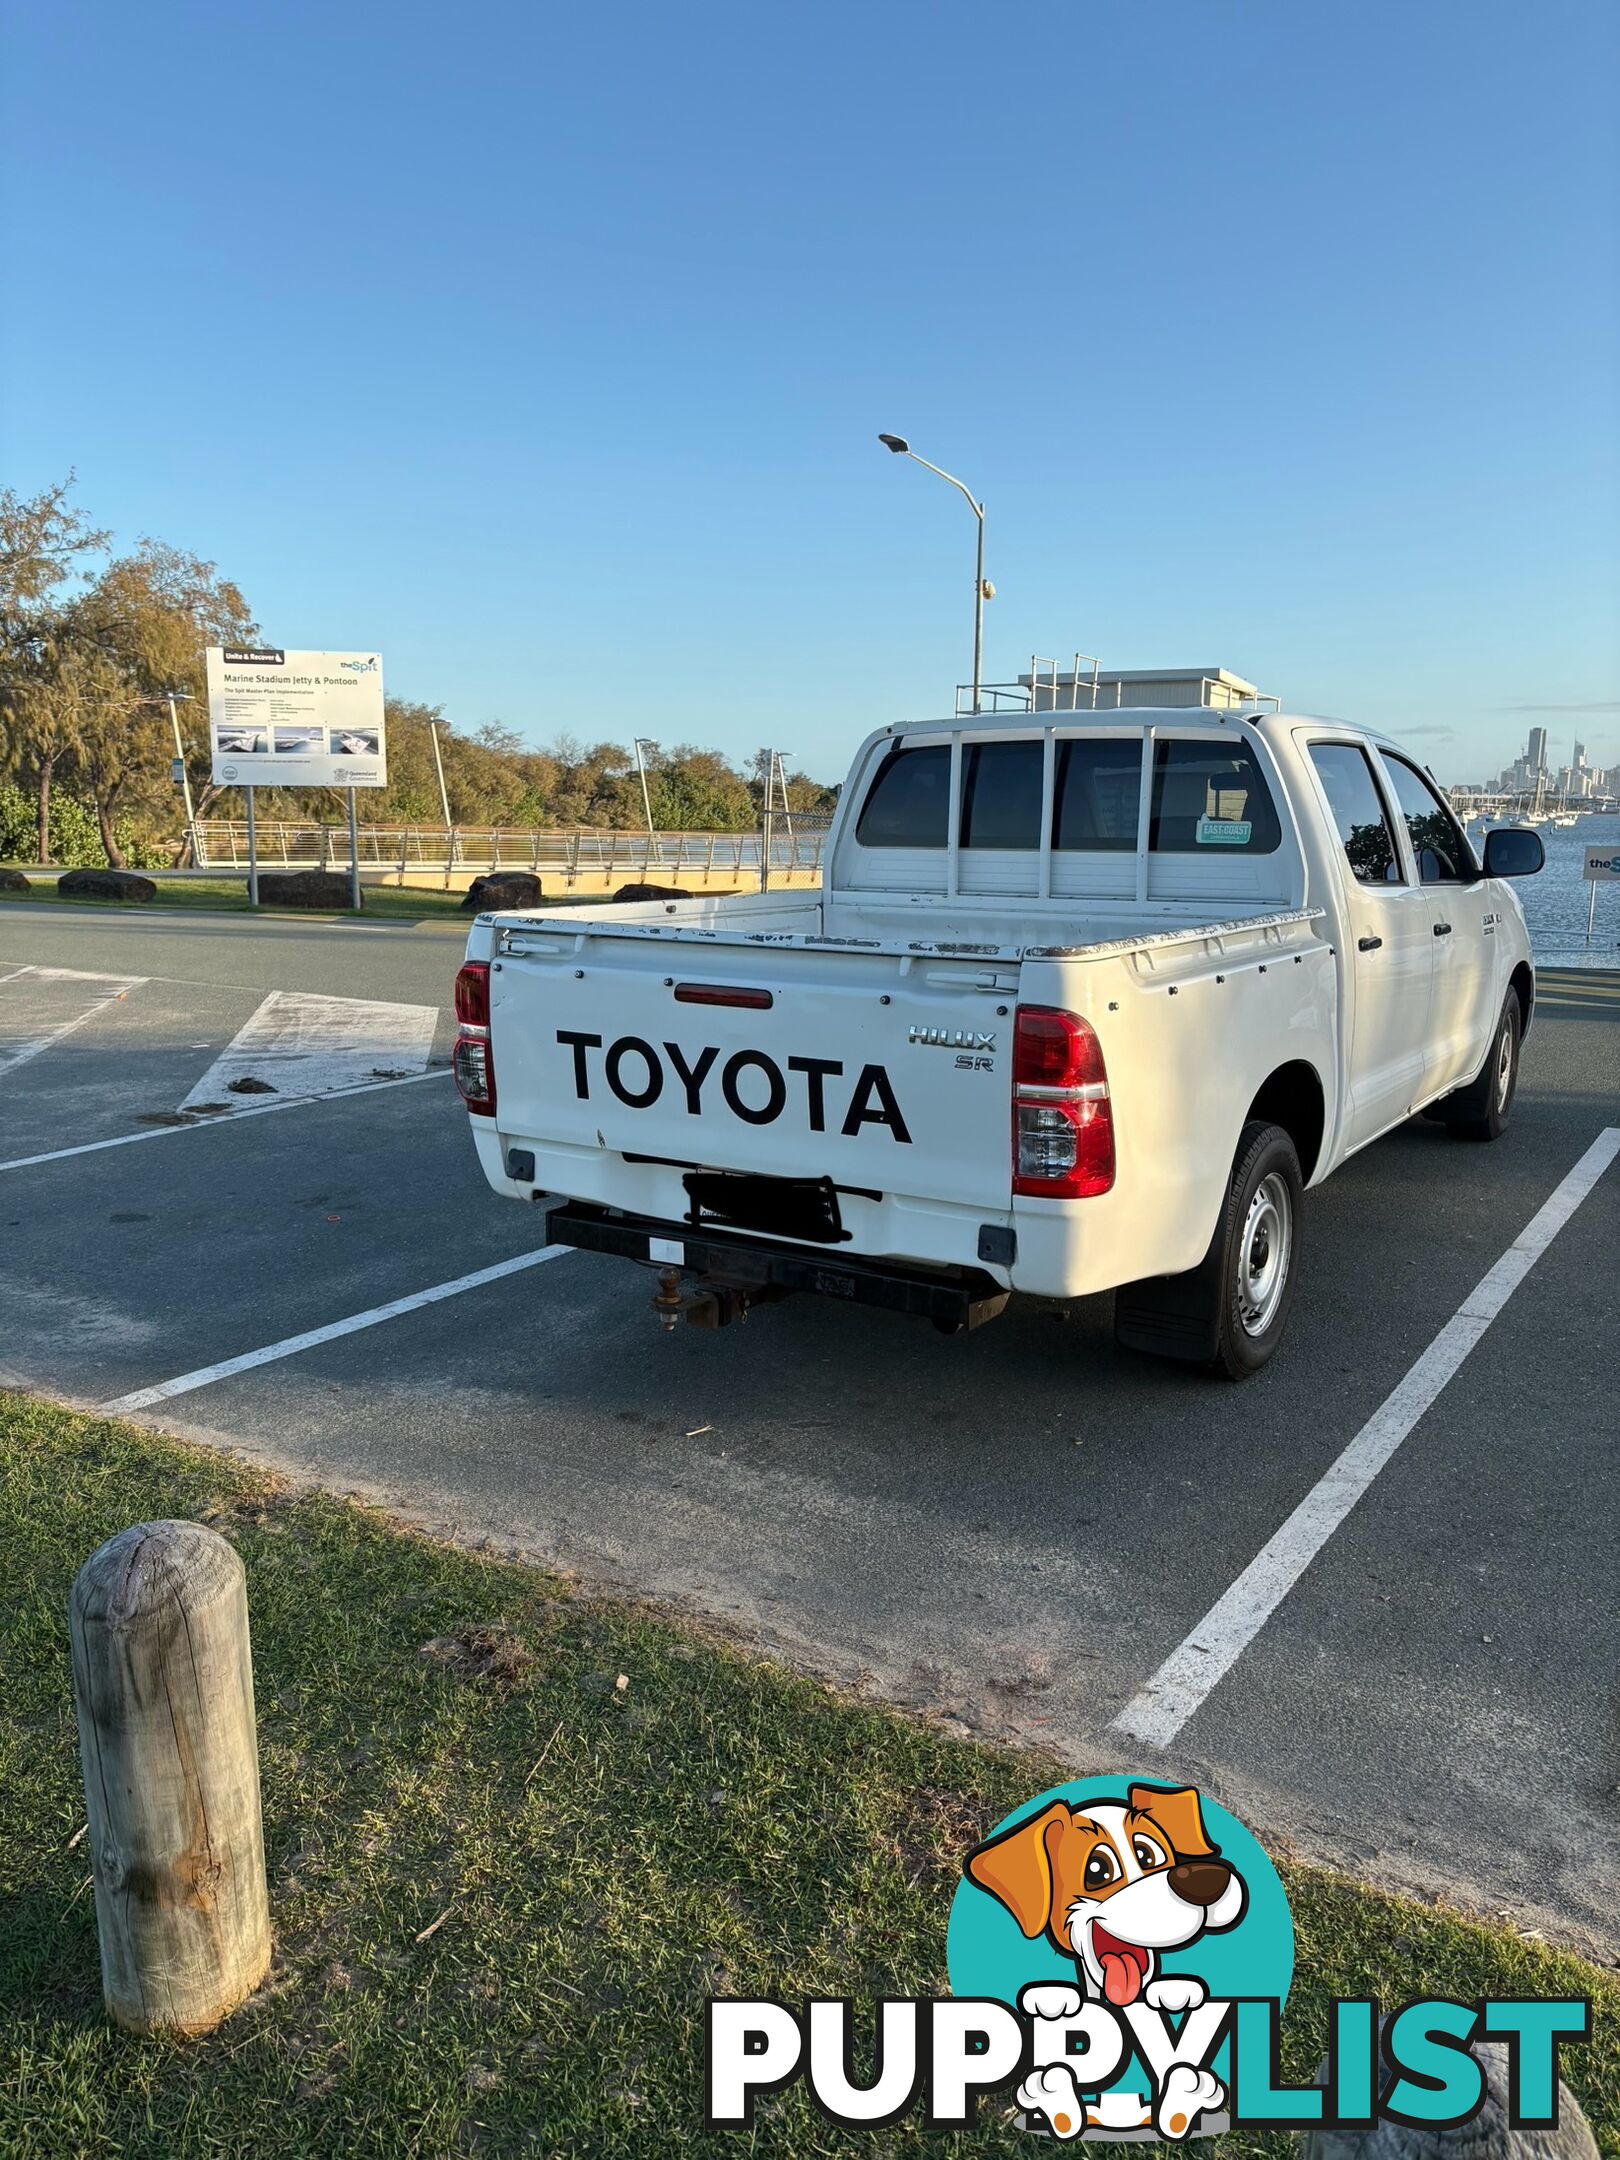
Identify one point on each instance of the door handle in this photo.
(1368, 944)
(1442, 929)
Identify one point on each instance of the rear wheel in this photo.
(1481, 1110)
(1229, 1312)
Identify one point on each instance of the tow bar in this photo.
(726, 1272)
(709, 1302)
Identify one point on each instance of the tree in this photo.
(153, 613)
(698, 791)
(49, 713)
(44, 543)
(43, 540)
(119, 739)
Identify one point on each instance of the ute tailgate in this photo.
(886, 1072)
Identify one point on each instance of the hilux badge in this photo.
(932, 1038)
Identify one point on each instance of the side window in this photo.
(1098, 793)
(1358, 812)
(1211, 798)
(1443, 855)
(909, 801)
(1001, 795)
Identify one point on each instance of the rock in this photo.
(13, 881)
(502, 889)
(304, 888)
(105, 885)
(1487, 2137)
(651, 892)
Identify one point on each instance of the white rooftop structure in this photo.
(1086, 685)
(1213, 686)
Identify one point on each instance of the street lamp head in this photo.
(896, 443)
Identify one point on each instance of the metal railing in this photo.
(219, 843)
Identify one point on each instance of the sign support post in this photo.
(253, 853)
(1598, 864)
(354, 856)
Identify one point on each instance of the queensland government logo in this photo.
(1120, 1951)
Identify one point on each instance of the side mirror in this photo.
(1513, 851)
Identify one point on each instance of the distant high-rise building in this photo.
(1579, 759)
(1536, 755)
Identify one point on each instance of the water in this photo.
(1555, 900)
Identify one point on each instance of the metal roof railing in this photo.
(1084, 688)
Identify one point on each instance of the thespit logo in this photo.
(1120, 1951)
(359, 667)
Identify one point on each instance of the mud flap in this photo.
(1175, 1316)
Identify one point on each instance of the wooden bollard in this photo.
(163, 1685)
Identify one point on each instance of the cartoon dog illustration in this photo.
(1112, 1885)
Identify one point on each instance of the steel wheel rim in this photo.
(1504, 1068)
(1263, 1254)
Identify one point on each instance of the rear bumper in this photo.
(953, 1298)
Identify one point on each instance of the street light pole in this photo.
(645, 742)
(438, 767)
(180, 757)
(981, 590)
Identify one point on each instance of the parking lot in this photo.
(1016, 1528)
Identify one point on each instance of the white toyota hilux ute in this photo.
(1085, 1002)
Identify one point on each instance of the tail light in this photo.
(473, 1060)
(1063, 1127)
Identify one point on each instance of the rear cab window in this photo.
(1209, 795)
(1097, 793)
(909, 803)
(1001, 794)
(1210, 800)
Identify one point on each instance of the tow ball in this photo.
(669, 1299)
(707, 1303)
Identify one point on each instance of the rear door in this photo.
(1391, 957)
(887, 1073)
(1464, 1002)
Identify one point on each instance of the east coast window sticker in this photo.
(1120, 1951)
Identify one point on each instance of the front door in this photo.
(1391, 960)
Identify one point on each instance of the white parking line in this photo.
(290, 1345)
(208, 1124)
(303, 1043)
(31, 1046)
(1198, 1663)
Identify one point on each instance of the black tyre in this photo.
(1261, 1235)
(1228, 1313)
(1481, 1110)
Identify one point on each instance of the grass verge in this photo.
(507, 1869)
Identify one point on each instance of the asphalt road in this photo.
(1011, 1528)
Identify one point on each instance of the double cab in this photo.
(1086, 1002)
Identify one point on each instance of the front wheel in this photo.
(1481, 1110)
(1229, 1312)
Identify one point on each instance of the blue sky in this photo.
(545, 348)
